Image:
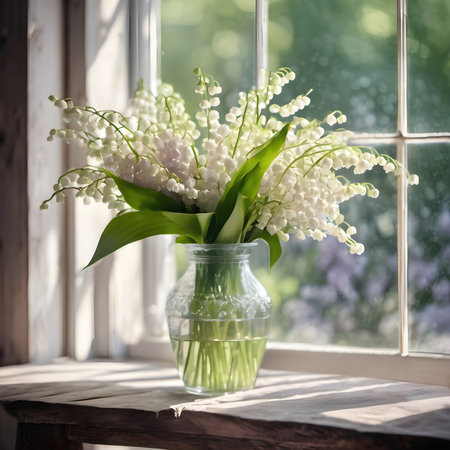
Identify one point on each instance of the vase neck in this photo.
(219, 253)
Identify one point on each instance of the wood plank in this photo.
(358, 403)
(122, 399)
(270, 439)
(169, 441)
(134, 427)
(44, 437)
(13, 183)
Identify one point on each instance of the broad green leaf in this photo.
(184, 240)
(142, 198)
(272, 240)
(203, 219)
(192, 225)
(247, 180)
(232, 230)
(264, 154)
(134, 226)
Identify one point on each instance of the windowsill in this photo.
(387, 364)
(283, 407)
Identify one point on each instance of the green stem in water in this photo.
(218, 355)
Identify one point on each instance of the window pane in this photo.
(324, 295)
(215, 35)
(343, 49)
(429, 248)
(429, 65)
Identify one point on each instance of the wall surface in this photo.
(46, 280)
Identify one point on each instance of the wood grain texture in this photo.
(13, 183)
(44, 437)
(165, 440)
(195, 429)
(326, 440)
(144, 404)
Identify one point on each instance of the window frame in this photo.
(108, 335)
(398, 364)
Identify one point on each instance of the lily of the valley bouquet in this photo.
(260, 172)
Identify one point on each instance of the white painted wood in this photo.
(261, 40)
(152, 349)
(45, 163)
(98, 325)
(402, 67)
(127, 310)
(416, 367)
(402, 199)
(402, 251)
(351, 361)
(144, 42)
(158, 278)
(158, 260)
(107, 26)
(106, 301)
(107, 53)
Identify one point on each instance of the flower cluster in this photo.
(156, 145)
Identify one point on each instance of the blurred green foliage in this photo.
(429, 65)
(216, 35)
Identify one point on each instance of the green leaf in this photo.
(142, 198)
(247, 180)
(184, 240)
(134, 226)
(272, 240)
(203, 219)
(247, 189)
(232, 230)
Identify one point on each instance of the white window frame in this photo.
(400, 364)
(99, 319)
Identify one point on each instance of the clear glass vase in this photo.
(219, 319)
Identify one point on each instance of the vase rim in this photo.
(228, 251)
(223, 246)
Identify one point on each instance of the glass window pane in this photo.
(324, 295)
(429, 65)
(429, 248)
(345, 50)
(215, 35)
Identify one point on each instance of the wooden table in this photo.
(61, 405)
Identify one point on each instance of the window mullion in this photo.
(402, 67)
(402, 249)
(157, 253)
(402, 200)
(145, 42)
(261, 39)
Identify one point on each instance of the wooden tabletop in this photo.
(143, 404)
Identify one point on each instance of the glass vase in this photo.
(219, 319)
